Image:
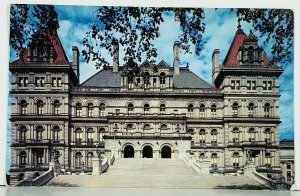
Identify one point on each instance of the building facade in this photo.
(164, 112)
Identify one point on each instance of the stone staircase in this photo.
(154, 173)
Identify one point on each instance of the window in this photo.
(267, 110)
(288, 166)
(268, 135)
(78, 136)
(251, 54)
(146, 128)
(78, 160)
(251, 134)
(130, 108)
(146, 79)
(235, 107)
(23, 107)
(268, 159)
(202, 136)
(235, 84)
(190, 110)
(40, 107)
(40, 81)
(56, 106)
(162, 108)
(56, 131)
(235, 135)
(102, 109)
(39, 133)
(250, 110)
(56, 82)
(22, 133)
(202, 111)
(146, 108)
(78, 109)
(129, 128)
(23, 81)
(269, 85)
(213, 110)
(89, 160)
(202, 155)
(163, 128)
(162, 79)
(265, 85)
(288, 176)
(90, 110)
(235, 159)
(23, 158)
(101, 133)
(213, 160)
(39, 156)
(214, 134)
(90, 136)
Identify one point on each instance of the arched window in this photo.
(190, 110)
(162, 79)
(146, 108)
(251, 133)
(268, 159)
(146, 79)
(214, 160)
(146, 128)
(251, 54)
(235, 135)
(267, 110)
(90, 110)
(235, 107)
(213, 110)
(55, 131)
(202, 111)
(89, 158)
(78, 136)
(40, 107)
(268, 135)
(129, 128)
(39, 133)
(102, 109)
(202, 136)
(202, 155)
(23, 107)
(250, 110)
(235, 159)
(56, 107)
(130, 108)
(214, 138)
(78, 160)
(163, 128)
(90, 136)
(22, 134)
(101, 133)
(22, 158)
(78, 109)
(162, 108)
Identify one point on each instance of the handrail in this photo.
(108, 162)
(270, 183)
(39, 181)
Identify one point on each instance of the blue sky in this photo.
(220, 29)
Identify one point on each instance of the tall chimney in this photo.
(75, 62)
(215, 65)
(116, 57)
(176, 62)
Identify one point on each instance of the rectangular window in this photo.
(269, 85)
(235, 84)
(40, 81)
(288, 176)
(248, 85)
(289, 166)
(264, 85)
(56, 82)
(253, 86)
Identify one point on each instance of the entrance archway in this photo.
(166, 152)
(128, 152)
(147, 152)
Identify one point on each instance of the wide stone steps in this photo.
(154, 173)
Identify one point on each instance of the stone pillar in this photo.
(96, 163)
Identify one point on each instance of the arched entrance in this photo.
(128, 152)
(147, 152)
(166, 152)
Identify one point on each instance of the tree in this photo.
(26, 20)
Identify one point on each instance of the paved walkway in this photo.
(154, 173)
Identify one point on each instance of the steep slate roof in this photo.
(106, 78)
(61, 57)
(238, 40)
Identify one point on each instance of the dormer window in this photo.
(251, 54)
(146, 79)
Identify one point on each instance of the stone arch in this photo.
(147, 151)
(166, 151)
(128, 150)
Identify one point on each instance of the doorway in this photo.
(128, 152)
(147, 152)
(166, 152)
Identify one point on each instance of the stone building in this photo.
(164, 112)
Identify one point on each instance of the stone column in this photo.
(96, 163)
